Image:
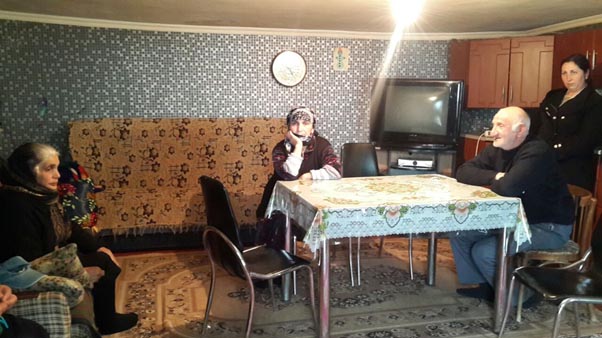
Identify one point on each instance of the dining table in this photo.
(393, 205)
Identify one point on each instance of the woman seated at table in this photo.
(303, 155)
(33, 224)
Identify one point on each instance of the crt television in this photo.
(416, 114)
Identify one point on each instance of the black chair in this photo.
(579, 282)
(585, 210)
(222, 241)
(360, 160)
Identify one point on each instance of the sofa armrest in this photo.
(49, 309)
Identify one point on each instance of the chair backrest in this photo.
(359, 159)
(219, 209)
(585, 210)
(224, 253)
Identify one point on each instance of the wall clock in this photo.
(289, 68)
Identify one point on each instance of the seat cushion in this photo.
(556, 283)
(569, 252)
(263, 262)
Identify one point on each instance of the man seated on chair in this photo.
(303, 155)
(515, 165)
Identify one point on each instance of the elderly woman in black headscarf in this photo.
(302, 155)
(33, 224)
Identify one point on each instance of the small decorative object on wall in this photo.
(289, 68)
(340, 59)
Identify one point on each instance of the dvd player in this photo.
(411, 163)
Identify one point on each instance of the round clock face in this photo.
(289, 68)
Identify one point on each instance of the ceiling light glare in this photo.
(406, 12)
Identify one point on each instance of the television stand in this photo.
(400, 160)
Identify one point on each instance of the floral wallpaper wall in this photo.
(52, 74)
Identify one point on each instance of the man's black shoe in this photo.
(119, 322)
(483, 291)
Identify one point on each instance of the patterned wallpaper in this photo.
(52, 74)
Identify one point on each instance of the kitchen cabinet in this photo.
(509, 72)
(470, 146)
(457, 63)
(588, 43)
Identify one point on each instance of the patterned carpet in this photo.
(169, 290)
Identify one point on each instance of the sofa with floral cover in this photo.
(149, 168)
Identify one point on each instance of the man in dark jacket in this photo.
(515, 165)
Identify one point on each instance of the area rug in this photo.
(169, 291)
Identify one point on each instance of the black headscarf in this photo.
(18, 174)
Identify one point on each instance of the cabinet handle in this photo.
(587, 54)
(503, 93)
(593, 59)
(511, 96)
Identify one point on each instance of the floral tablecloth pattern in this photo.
(387, 205)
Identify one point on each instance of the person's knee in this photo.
(484, 253)
(103, 261)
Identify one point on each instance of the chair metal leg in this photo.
(576, 309)
(251, 307)
(558, 317)
(521, 295)
(271, 284)
(312, 297)
(411, 256)
(294, 246)
(508, 306)
(350, 252)
(380, 247)
(519, 305)
(592, 313)
(359, 269)
(209, 299)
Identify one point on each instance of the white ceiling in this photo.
(373, 16)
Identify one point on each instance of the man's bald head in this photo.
(510, 127)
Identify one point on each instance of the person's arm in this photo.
(286, 165)
(480, 170)
(331, 167)
(84, 238)
(23, 231)
(526, 171)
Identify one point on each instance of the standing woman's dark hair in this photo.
(582, 62)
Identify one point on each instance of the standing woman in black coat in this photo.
(32, 225)
(570, 121)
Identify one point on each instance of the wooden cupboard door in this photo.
(457, 67)
(488, 73)
(596, 59)
(530, 75)
(571, 43)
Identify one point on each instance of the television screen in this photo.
(416, 109)
(409, 113)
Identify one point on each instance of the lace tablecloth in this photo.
(387, 205)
